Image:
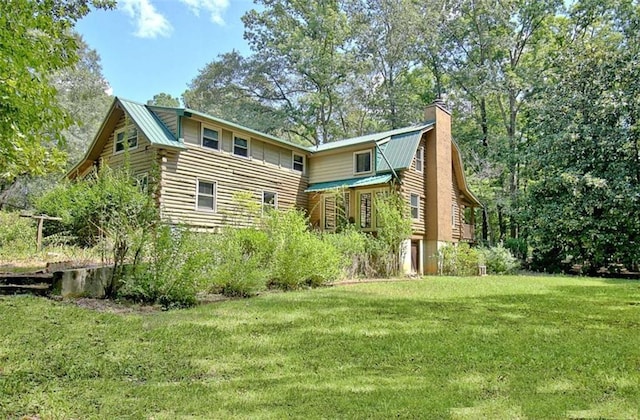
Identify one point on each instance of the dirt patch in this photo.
(124, 307)
(113, 306)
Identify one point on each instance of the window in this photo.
(128, 134)
(420, 159)
(206, 195)
(336, 210)
(298, 163)
(240, 147)
(415, 206)
(210, 138)
(365, 210)
(269, 200)
(362, 162)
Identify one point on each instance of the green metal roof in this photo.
(370, 138)
(152, 127)
(399, 151)
(350, 183)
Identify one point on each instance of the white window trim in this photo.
(293, 162)
(417, 206)
(209, 127)
(233, 146)
(215, 196)
(125, 139)
(355, 162)
(420, 152)
(275, 199)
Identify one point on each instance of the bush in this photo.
(106, 201)
(499, 260)
(240, 262)
(459, 260)
(299, 257)
(173, 269)
(353, 245)
(518, 247)
(17, 235)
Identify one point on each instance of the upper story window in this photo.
(206, 195)
(269, 200)
(125, 138)
(210, 138)
(362, 162)
(415, 206)
(298, 162)
(240, 147)
(420, 159)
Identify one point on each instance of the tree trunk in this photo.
(485, 226)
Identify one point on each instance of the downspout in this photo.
(395, 175)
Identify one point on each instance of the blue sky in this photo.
(153, 46)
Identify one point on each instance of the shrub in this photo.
(518, 247)
(499, 260)
(17, 235)
(393, 228)
(107, 202)
(174, 267)
(353, 245)
(459, 260)
(239, 263)
(299, 257)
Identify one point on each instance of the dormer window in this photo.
(125, 138)
(362, 162)
(210, 138)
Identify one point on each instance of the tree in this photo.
(389, 61)
(492, 59)
(36, 40)
(305, 45)
(584, 207)
(82, 93)
(239, 90)
(164, 99)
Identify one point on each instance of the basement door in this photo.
(415, 256)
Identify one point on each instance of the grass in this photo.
(495, 347)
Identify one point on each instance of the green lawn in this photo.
(493, 347)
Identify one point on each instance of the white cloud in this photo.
(214, 7)
(150, 23)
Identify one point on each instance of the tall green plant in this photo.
(394, 227)
(174, 265)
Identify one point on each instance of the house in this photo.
(201, 162)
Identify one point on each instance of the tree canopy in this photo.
(36, 40)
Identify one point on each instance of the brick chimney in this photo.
(438, 183)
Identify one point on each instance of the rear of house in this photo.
(421, 162)
(209, 172)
